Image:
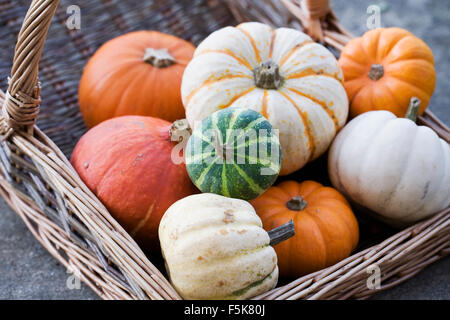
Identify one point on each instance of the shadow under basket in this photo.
(38, 182)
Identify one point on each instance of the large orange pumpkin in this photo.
(126, 162)
(138, 73)
(326, 230)
(384, 69)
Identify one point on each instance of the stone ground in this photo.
(27, 271)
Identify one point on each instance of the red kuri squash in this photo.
(126, 162)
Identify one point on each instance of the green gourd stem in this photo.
(413, 109)
(159, 58)
(267, 75)
(281, 233)
(296, 203)
(221, 148)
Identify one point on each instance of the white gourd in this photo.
(215, 248)
(281, 73)
(398, 170)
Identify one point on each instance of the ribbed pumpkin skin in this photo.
(408, 65)
(326, 230)
(215, 248)
(126, 162)
(116, 81)
(235, 177)
(308, 106)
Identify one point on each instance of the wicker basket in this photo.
(38, 182)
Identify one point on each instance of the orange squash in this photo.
(138, 73)
(384, 69)
(126, 162)
(326, 230)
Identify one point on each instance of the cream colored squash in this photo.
(215, 248)
(398, 170)
(281, 73)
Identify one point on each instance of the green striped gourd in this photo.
(234, 152)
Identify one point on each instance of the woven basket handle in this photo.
(316, 9)
(311, 13)
(22, 99)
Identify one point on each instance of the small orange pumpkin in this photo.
(384, 69)
(326, 230)
(138, 73)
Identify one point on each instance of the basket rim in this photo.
(53, 176)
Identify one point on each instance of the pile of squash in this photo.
(170, 148)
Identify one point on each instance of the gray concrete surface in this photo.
(27, 271)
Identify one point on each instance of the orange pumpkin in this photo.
(326, 230)
(384, 69)
(126, 162)
(138, 73)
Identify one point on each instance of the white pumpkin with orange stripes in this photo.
(292, 81)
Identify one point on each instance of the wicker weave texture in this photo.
(67, 51)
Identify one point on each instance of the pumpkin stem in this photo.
(296, 203)
(413, 109)
(376, 72)
(159, 58)
(267, 75)
(221, 148)
(281, 233)
(180, 130)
